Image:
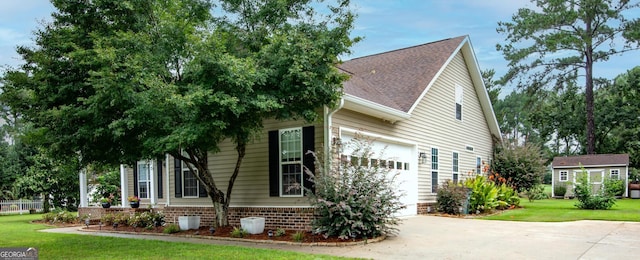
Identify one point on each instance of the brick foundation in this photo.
(287, 218)
(426, 208)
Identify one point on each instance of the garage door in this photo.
(400, 158)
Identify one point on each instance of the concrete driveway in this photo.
(429, 237)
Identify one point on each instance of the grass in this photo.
(557, 210)
(16, 231)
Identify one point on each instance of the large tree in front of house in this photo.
(560, 41)
(118, 81)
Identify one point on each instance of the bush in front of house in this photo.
(613, 187)
(356, 198)
(559, 190)
(484, 194)
(451, 198)
(586, 198)
(521, 166)
(62, 216)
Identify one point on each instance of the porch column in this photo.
(84, 201)
(124, 186)
(167, 181)
(153, 190)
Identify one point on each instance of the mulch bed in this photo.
(225, 232)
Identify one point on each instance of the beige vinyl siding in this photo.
(251, 187)
(433, 124)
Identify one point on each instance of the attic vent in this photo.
(469, 148)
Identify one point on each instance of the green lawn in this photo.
(16, 231)
(555, 210)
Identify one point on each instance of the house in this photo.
(598, 167)
(427, 104)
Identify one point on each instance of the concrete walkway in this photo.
(428, 237)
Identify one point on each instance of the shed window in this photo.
(564, 175)
(614, 174)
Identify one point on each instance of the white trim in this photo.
(167, 181)
(84, 199)
(388, 139)
(153, 186)
(616, 169)
(280, 163)
(124, 184)
(452, 171)
(560, 176)
(590, 166)
(458, 96)
(374, 109)
(148, 181)
(476, 166)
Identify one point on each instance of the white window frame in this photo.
(566, 175)
(455, 166)
(617, 174)
(296, 162)
(478, 164)
(146, 183)
(458, 98)
(186, 170)
(434, 170)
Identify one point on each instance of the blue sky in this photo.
(385, 25)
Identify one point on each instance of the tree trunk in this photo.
(591, 126)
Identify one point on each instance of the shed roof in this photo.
(591, 160)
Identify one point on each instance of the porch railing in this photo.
(20, 206)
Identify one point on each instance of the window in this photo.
(564, 175)
(614, 174)
(190, 187)
(478, 165)
(144, 179)
(455, 159)
(434, 170)
(291, 162)
(459, 98)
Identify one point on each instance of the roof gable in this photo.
(591, 160)
(397, 79)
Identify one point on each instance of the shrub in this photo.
(507, 197)
(522, 166)
(613, 187)
(107, 219)
(298, 236)
(171, 228)
(352, 199)
(238, 232)
(587, 200)
(280, 232)
(451, 198)
(484, 194)
(536, 193)
(560, 190)
(60, 217)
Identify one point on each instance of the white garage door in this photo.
(400, 158)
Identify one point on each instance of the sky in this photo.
(385, 25)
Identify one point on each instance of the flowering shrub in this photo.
(451, 198)
(355, 199)
(60, 217)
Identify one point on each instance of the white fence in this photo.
(20, 206)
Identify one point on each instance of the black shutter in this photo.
(178, 177)
(308, 144)
(135, 179)
(159, 179)
(274, 165)
(202, 191)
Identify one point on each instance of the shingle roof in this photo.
(397, 79)
(591, 160)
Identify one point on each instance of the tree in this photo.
(522, 167)
(119, 81)
(550, 47)
(493, 87)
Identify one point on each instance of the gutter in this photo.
(328, 114)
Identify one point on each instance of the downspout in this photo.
(168, 182)
(328, 114)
